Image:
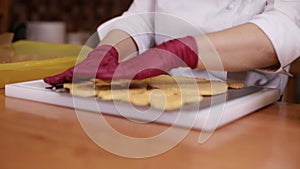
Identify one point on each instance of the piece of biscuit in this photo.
(207, 88)
(99, 82)
(235, 85)
(172, 98)
(162, 92)
(121, 84)
(166, 79)
(84, 89)
(136, 96)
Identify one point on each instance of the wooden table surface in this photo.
(41, 136)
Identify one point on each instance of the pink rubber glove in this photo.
(103, 57)
(102, 62)
(158, 60)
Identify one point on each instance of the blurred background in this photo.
(78, 16)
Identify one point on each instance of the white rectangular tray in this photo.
(212, 113)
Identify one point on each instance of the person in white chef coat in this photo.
(254, 41)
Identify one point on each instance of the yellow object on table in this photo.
(34, 60)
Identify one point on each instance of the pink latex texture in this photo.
(103, 63)
(104, 56)
(158, 60)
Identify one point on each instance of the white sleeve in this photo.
(137, 21)
(281, 23)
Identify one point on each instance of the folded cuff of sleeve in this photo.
(284, 35)
(138, 26)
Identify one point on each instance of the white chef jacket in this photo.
(151, 22)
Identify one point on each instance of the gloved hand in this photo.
(103, 62)
(175, 53)
(103, 57)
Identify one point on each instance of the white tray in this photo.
(211, 114)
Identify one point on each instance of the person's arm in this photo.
(122, 41)
(241, 48)
(131, 31)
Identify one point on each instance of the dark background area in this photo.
(79, 15)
